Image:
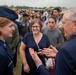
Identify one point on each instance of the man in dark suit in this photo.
(65, 58)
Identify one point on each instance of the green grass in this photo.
(17, 69)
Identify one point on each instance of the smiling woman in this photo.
(35, 24)
(6, 27)
(7, 17)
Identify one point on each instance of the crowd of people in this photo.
(46, 41)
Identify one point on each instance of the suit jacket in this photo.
(65, 59)
(43, 71)
(6, 66)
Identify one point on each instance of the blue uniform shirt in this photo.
(6, 66)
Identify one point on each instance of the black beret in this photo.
(25, 14)
(8, 13)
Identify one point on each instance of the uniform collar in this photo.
(2, 43)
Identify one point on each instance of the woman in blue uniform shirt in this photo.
(7, 17)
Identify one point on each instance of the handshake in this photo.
(48, 52)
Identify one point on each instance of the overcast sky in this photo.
(40, 3)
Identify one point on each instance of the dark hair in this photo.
(57, 9)
(25, 15)
(53, 17)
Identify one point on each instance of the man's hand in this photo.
(50, 52)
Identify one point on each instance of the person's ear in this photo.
(75, 22)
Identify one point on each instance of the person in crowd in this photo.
(54, 34)
(35, 40)
(46, 14)
(31, 17)
(7, 18)
(65, 58)
(56, 39)
(39, 16)
(13, 43)
(24, 25)
(19, 13)
(56, 13)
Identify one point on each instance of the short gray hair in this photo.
(71, 14)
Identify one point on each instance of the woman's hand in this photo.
(27, 68)
(35, 56)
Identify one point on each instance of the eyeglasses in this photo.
(35, 26)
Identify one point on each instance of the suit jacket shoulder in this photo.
(66, 58)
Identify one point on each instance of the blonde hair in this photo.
(4, 21)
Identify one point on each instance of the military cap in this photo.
(8, 13)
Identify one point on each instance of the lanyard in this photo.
(38, 47)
